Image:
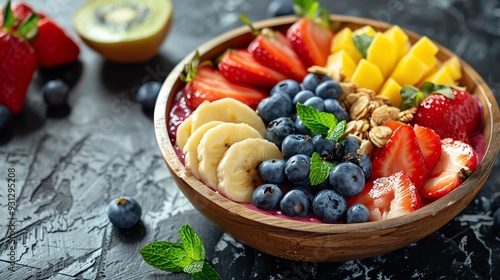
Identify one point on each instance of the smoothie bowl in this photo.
(310, 238)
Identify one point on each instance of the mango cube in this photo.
(424, 47)
(399, 36)
(383, 53)
(343, 41)
(392, 90)
(343, 62)
(453, 67)
(409, 70)
(368, 30)
(442, 77)
(367, 75)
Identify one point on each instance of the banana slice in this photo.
(190, 150)
(237, 170)
(183, 132)
(215, 143)
(227, 110)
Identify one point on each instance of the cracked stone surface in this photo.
(69, 167)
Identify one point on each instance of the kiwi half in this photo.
(126, 31)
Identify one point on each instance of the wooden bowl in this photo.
(304, 241)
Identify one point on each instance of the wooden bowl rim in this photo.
(233, 208)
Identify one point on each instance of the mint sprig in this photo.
(186, 256)
(320, 122)
(362, 43)
(412, 96)
(319, 169)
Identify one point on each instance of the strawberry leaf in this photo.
(8, 16)
(248, 22)
(412, 96)
(312, 10)
(362, 43)
(191, 68)
(319, 169)
(28, 28)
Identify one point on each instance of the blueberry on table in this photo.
(6, 118)
(357, 213)
(275, 106)
(328, 90)
(347, 179)
(289, 86)
(329, 206)
(124, 212)
(55, 93)
(297, 170)
(147, 94)
(278, 8)
(272, 171)
(295, 144)
(295, 203)
(278, 129)
(267, 196)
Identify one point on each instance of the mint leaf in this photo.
(362, 43)
(319, 169)
(207, 273)
(158, 255)
(337, 132)
(192, 243)
(316, 121)
(194, 267)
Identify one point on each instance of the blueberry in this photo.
(333, 106)
(312, 80)
(267, 196)
(272, 171)
(289, 86)
(147, 94)
(275, 106)
(328, 89)
(346, 146)
(496, 222)
(302, 96)
(310, 196)
(329, 206)
(6, 118)
(279, 8)
(325, 185)
(366, 165)
(295, 144)
(357, 213)
(347, 179)
(295, 203)
(124, 212)
(495, 202)
(55, 93)
(297, 170)
(325, 148)
(316, 102)
(301, 128)
(278, 129)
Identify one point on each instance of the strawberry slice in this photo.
(53, 46)
(210, 84)
(241, 66)
(430, 145)
(457, 162)
(272, 49)
(450, 118)
(400, 153)
(389, 197)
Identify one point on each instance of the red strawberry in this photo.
(241, 66)
(389, 197)
(209, 84)
(53, 46)
(457, 162)
(400, 153)
(17, 62)
(311, 36)
(450, 118)
(272, 49)
(430, 145)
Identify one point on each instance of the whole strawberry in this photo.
(17, 59)
(455, 118)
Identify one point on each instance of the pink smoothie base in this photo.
(179, 111)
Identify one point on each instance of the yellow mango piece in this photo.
(368, 30)
(424, 47)
(342, 61)
(392, 90)
(453, 67)
(399, 36)
(383, 53)
(343, 41)
(367, 75)
(441, 77)
(409, 70)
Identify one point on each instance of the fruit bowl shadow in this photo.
(320, 242)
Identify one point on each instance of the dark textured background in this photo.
(69, 165)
